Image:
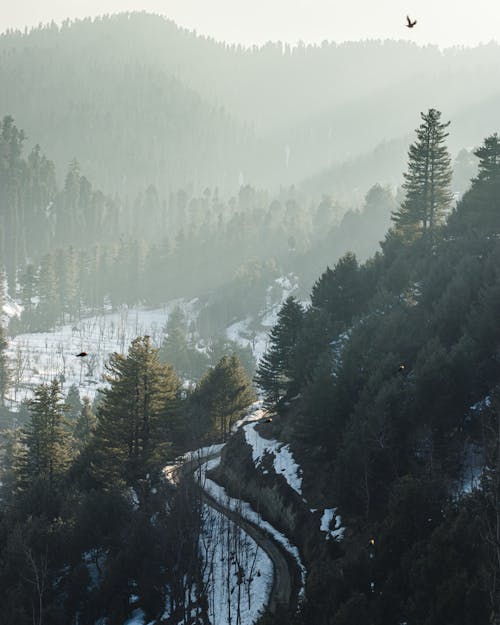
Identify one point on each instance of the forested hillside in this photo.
(249, 340)
(138, 101)
(70, 250)
(387, 386)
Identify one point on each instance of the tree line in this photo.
(394, 378)
(87, 520)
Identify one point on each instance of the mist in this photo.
(249, 295)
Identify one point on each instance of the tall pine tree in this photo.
(132, 434)
(427, 181)
(5, 373)
(46, 438)
(225, 391)
(276, 366)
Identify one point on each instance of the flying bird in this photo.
(410, 24)
(82, 355)
(401, 368)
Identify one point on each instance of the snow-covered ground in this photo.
(42, 356)
(39, 357)
(244, 333)
(238, 574)
(328, 516)
(245, 510)
(283, 460)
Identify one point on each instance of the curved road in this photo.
(284, 590)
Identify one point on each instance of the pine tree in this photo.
(339, 291)
(85, 425)
(5, 373)
(73, 403)
(28, 282)
(46, 437)
(427, 181)
(478, 210)
(276, 366)
(225, 391)
(48, 306)
(135, 414)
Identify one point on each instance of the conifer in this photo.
(46, 437)
(275, 368)
(135, 414)
(225, 391)
(427, 181)
(5, 373)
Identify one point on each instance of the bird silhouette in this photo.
(81, 355)
(410, 24)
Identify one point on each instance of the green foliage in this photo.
(224, 392)
(276, 366)
(427, 181)
(135, 415)
(85, 425)
(5, 372)
(339, 292)
(175, 349)
(47, 440)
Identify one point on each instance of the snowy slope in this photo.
(238, 574)
(40, 356)
(244, 509)
(283, 460)
(241, 332)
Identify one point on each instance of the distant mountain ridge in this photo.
(138, 100)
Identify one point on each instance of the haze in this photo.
(256, 21)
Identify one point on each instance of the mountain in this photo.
(138, 100)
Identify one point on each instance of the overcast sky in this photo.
(444, 22)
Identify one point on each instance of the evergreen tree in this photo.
(339, 291)
(225, 391)
(48, 306)
(427, 181)
(135, 415)
(73, 403)
(276, 366)
(479, 207)
(28, 282)
(85, 424)
(46, 437)
(5, 373)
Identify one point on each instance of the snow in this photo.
(254, 413)
(39, 357)
(473, 467)
(233, 590)
(326, 519)
(138, 618)
(244, 332)
(482, 404)
(245, 510)
(10, 308)
(283, 461)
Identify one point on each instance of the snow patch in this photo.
(244, 509)
(237, 573)
(39, 357)
(138, 618)
(283, 460)
(326, 520)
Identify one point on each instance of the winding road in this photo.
(286, 574)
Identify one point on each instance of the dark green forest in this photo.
(388, 384)
(225, 170)
(87, 519)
